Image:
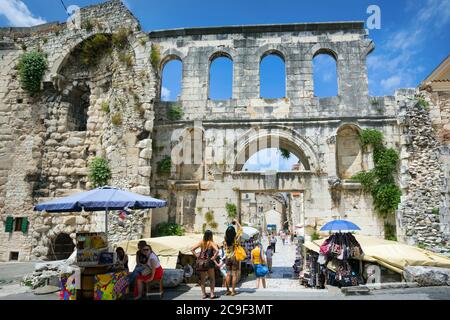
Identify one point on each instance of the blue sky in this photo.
(412, 41)
(414, 36)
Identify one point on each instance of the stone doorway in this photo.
(263, 210)
(63, 247)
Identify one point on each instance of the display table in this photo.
(88, 281)
(111, 286)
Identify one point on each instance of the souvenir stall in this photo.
(97, 277)
(338, 262)
(298, 262)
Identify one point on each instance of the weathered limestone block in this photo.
(427, 276)
(146, 153)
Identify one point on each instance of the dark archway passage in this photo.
(63, 247)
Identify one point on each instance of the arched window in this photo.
(171, 80)
(272, 76)
(325, 74)
(221, 78)
(348, 152)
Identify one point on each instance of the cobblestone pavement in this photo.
(282, 277)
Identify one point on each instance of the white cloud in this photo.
(397, 64)
(165, 94)
(18, 14)
(436, 12)
(391, 82)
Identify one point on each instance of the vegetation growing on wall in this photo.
(87, 25)
(421, 102)
(209, 221)
(169, 229)
(94, 48)
(99, 172)
(116, 119)
(105, 107)
(155, 56)
(231, 210)
(390, 232)
(174, 112)
(120, 38)
(380, 181)
(32, 66)
(126, 59)
(164, 166)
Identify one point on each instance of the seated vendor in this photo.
(122, 259)
(152, 272)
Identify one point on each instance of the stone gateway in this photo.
(101, 97)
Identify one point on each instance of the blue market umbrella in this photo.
(101, 199)
(339, 225)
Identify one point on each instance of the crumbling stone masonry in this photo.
(47, 141)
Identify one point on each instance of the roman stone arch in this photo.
(349, 154)
(255, 140)
(169, 55)
(324, 48)
(268, 49)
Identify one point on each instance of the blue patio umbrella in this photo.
(101, 199)
(339, 225)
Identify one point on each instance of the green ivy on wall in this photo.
(99, 172)
(32, 66)
(380, 181)
(231, 210)
(175, 113)
(169, 229)
(164, 166)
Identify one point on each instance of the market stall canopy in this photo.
(163, 246)
(248, 232)
(391, 254)
(100, 199)
(166, 248)
(339, 225)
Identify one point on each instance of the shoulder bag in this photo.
(203, 262)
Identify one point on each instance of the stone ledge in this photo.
(292, 27)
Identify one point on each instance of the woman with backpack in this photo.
(233, 255)
(206, 262)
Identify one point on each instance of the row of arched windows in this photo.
(272, 77)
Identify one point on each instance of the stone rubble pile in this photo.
(48, 273)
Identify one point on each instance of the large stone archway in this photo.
(258, 139)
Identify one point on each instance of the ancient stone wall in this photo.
(424, 208)
(112, 109)
(46, 145)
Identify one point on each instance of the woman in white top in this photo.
(156, 272)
